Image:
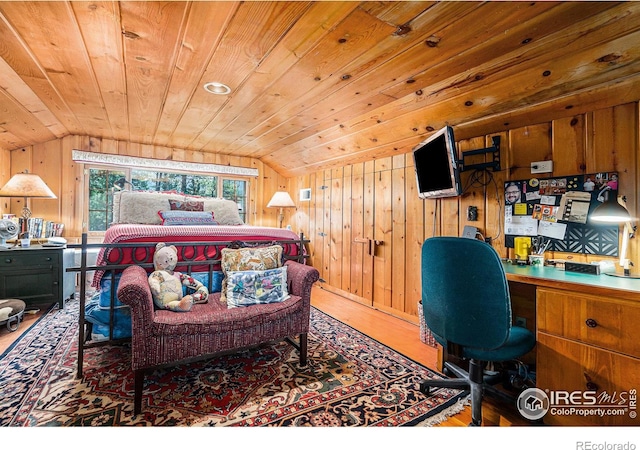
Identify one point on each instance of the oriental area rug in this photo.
(351, 381)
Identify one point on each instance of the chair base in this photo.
(477, 381)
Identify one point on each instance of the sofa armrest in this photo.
(300, 279)
(134, 291)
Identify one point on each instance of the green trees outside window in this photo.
(104, 182)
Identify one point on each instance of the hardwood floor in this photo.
(29, 318)
(398, 334)
(404, 337)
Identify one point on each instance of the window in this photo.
(103, 182)
(236, 190)
(185, 183)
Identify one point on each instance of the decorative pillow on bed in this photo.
(226, 211)
(252, 258)
(252, 287)
(186, 205)
(187, 218)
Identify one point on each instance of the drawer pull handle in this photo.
(49, 258)
(591, 386)
(591, 323)
(8, 260)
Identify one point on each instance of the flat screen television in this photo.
(436, 165)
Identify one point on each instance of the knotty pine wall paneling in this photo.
(612, 143)
(347, 221)
(52, 160)
(492, 216)
(336, 217)
(358, 248)
(20, 161)
(377, 199)
(326, 228)
(473, 192)
(383, 234)
(369, 231)
(399, 234)
(383, 193)
(5, 165)
(414, 223)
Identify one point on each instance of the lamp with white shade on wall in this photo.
(26, 185)
(614, 211)
(281, 199)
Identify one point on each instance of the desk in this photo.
(588, 337)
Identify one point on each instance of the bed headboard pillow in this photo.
(143, 207)
(178, 217)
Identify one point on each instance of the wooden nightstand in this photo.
(37, 274)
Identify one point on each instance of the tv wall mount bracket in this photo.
(493, 165)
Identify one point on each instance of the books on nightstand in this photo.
(37, 227)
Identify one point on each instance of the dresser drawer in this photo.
(568, 366)
(27, 258)
(610, 323)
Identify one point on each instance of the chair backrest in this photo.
(465, 294)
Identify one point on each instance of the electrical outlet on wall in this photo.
(542, 167)
(521, 322)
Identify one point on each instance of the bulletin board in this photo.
(556, 211)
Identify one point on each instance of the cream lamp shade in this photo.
(281, 199)
(27, 185)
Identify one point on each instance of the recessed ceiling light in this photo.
(217, 88)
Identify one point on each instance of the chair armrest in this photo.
(134, 291)
(300, 279)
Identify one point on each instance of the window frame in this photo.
(221, 177)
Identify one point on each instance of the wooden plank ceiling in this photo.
(315, 85)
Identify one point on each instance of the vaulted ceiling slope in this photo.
(315, 85)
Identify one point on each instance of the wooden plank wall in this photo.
(377, 200)
(365, 221)
(53, 162)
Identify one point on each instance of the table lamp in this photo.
(281, 199)
(27, 185)
(614, 211)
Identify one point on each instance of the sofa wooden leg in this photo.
(303, 349)
(138, 386)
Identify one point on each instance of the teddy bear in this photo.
(166, 284)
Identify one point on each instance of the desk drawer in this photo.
(569, 366)
(610, 323)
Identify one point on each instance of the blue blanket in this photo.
(97, 309)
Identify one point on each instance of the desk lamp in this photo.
(614, 211)
(27, 185)
(281, 199)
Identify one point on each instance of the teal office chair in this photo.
(467, 306)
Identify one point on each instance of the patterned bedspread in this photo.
(133, 233)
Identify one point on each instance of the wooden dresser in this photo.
(37, 274)
(588, 345)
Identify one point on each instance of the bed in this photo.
(139, 224)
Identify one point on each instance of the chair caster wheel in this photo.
(425, 389)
